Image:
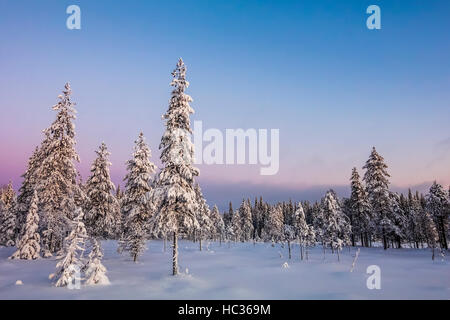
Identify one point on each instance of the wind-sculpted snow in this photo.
(239, 271)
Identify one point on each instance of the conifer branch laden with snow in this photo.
(29, 244)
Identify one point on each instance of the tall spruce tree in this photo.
(335, 228)
(273, 229)
(438, 206)
(218, 230)
(376, 178)
(305, 233)
(174, 197)
(54, 179)
(102, 209)
(29, 243)
(8, 226)
(136, 212)
(202, 216)
(245, 214)
(360, 210)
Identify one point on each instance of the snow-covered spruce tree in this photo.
(335, 230)
(27, 188)
(174, 196)
(289, 236)
(414, 213)
(56, 174)
(95, 271)
(71, 261)
(8, 226)
(318, 222)
(102, 210)
(29, 243)
(273, 229)
(430, 232)
(236, 226)
(438, 207)
(305, 233)
(202, 216)
(8, 216)
(135, 210)
(245, 214)
(376, 178)
(397, 230)
(218, 230)
(8, 196)
(361, 219)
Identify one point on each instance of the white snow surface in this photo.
(241, 271)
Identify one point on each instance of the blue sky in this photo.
(309, 68)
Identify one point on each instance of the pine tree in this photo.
(289, 236)
(438, 206)
(377, 185)
(414, 213)
(8, 196)
(29, 244)
(55, 176)
(360, 210)
(273, 229)
(218, 230)
(335, 232)
(202, 216)
(430, 231)
(236, 226)
(8, 226)
(305, 233)
(135, 210)
(174, 197)
(27, 188)
(397, 230)
(71, 262)
(245, 214)
(95, 270)
(102, 209)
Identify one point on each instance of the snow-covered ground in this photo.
(242, 271)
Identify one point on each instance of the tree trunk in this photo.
(289, 248)
(200, 241)
(135, 257)
(443, 237)
(301, 251)
(165, 240)
(175, 254)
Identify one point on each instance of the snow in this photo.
(239, 271)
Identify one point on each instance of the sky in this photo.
(311, 69)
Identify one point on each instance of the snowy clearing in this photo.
(241, 271)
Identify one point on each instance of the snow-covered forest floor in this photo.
(241, 271)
